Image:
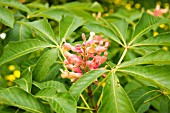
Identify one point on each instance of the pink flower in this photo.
(158, 11)
(84, 57)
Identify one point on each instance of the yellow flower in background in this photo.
(11, 67)
(155, 33)
(137, 5)
(165, 48)
(128, 6)
(9, 83)
(17, 73)
(162, 25)
(10, 77)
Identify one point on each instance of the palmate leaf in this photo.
(146, 23)
(159, 57)
(81, 13)
(68, 24)
(54, 71)
(37, 5)
(82, 83)
(115, 99)
(16, 4)
(52, 13)
(6, 17)
(97, 28)
(57, 86)
(43, 65)
(46, 92)
(158, 75)
(96, 7)
(78, 5)
(141, 95)
(29, 63)
(119, 30)
(16, 49)
(17, 97)
(18, 33)
(43, 28)
(26, 81)
(60, 102)
(164, 104)
(162, 39)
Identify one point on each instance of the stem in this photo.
(168, 96)
(85, 103)
(91, 96)
(79, 107)
(17, 110)
(123, 55)
(152, 98)
(84, 59)
(100, 98)
(101, 83)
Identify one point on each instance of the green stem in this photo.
(152, 98)
(101, 83)
(85, 103)
(91, 96)
(79, 107)
(100, 98)
(123, 55)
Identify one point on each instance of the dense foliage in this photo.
(80, 57)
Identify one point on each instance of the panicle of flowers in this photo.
(82, 58)
(158, 11)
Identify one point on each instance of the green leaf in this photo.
(54, 71)
(29, 63)
(59, 87)
(52, 13)
(43, 65)
(77, 5)
(46, 92)
(158, 57)
(146, 23)
(81, 13)
(18, 33)
(162, 39)
(96, 7)
(37, 5)
(26, 81)
(97, 28)
(6, 17)
(158, 75)
(141, 95)
(17, 97)
(42, 27)
(16, 4)
(119, 30)
(82, 83)
(163, 104)
(60, 102)
(115, 99)
(16, 49)
(68, 24)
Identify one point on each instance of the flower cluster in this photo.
(82, 58)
